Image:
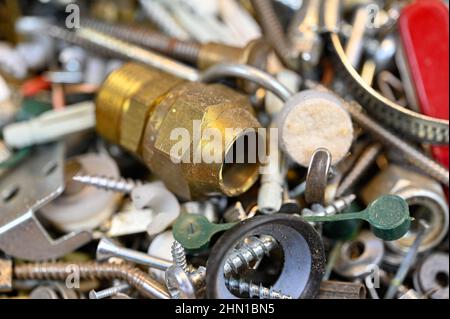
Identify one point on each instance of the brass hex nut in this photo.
(135, 115)
(208, 106)
(113, 97)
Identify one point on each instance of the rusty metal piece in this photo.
(330, 289)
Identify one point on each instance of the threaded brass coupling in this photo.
(164, 121)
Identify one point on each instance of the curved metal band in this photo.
(247, 72)
(415, 126)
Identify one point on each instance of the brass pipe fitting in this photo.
(142, 109)
(255, 53)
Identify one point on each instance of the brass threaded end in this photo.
(142, 109)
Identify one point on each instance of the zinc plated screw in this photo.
(253, 290)
(108, 292)
(182, 282)
(361, 165)
(88, 270)
(107, 248)
(179, 256)
(121, 185)
(334, 208)
(250, 251)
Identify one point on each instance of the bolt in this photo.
(252, 250)
(179, 256)
(203, 55)
(87, 270)
(253, 290)
(107, 248)
(120, 185)
(98, 41)
(366, 159)
(334, 208)
(109, 292)
(418, 159)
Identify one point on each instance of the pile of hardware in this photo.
(187, 149)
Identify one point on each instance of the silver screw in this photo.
(120, 185)
(188, 51)
(253, 290)
(179, 256)
(92, 39)
(334, 208)
(107, 248)
(109, 292)
(252, 250)
(364, 161)
(182, 282)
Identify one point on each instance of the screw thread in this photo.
(91, 270)
(179, 256)
(360, 167)
(251, 251)
(120, 185)
(334, 208)
(254, 290)
(105, 293)
(183, 50)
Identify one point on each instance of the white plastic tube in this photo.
(51, 125)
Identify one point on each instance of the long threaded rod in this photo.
(179, 256)
(135, 277)
(179, 49)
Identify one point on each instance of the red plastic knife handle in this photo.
(424, 31)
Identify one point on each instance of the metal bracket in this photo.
(23, 190)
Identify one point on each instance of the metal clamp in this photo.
(31, 185)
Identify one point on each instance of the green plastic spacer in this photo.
(388, 216)
(194, 232)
